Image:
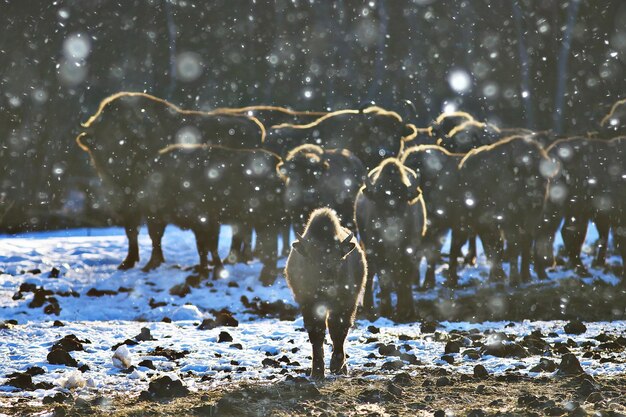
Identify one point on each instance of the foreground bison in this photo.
(391, 220)
(504, 188)
(372, 134)
(125, 135)
(321, 178)
(199, 186)
(589, 186)
(439, 180)
(326, 271)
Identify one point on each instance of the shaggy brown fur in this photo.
(326, 271)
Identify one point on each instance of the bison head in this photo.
(319, 251)
(303, 166)
(392, 183)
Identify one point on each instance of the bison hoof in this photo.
(268, 276)
(201, 270)
(367, 313)
(386, 312)
(218, 272)
(152, 264)
(497, 276)
(126, 265)
(581, 271)
(404, 318)
(317, 375)
(451, 283)
(339, 370)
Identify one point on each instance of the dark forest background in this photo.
(549, 64)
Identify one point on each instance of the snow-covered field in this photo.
(262, 348)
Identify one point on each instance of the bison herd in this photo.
(334, 177)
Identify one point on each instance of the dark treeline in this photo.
(550, 64)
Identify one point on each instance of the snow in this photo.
(460, 81)
(88, 258)
(121, 358)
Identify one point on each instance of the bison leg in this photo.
(458, 239)
(603, 225)
(246, 244)
(470, 257)
(315, 324)
(574, 232)
(386, 285)
(429, 280)
(544, 240)
(619, 235)
(338, 327)
(526, 247)
(406, 305)
(131, 226)
(493, 250)
(432, 254)
(202, 244)
(512, 253)
(156, 229)
(267, 244)
(368, 296)
(212, 242)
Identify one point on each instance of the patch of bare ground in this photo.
(570, 298)
(424, 392)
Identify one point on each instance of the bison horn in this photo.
(299, 245)
(347, 246)
(366, 105)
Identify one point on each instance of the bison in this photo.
(326, 271)
(504, 188)
(125, 135)
(200, 186)
(589, 186)
(273, 115)
(321, 178)
(372, 134)
(470, 135)
(458, 132)
(391, 220)
(438, 178)
(439, 128)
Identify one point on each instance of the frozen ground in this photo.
(263, 347)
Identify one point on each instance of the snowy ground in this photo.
(262, 347)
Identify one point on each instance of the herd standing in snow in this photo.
(268, 168)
